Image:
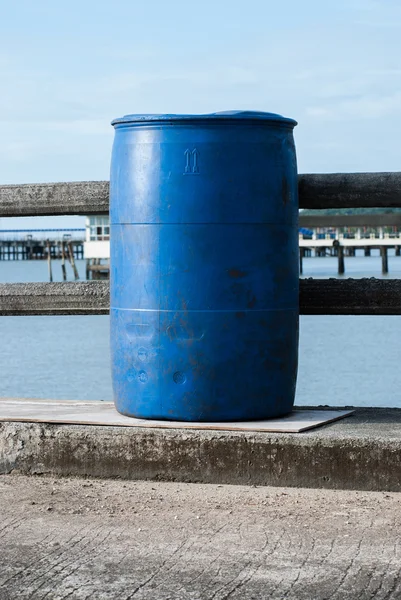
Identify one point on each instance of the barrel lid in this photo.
(228, 115)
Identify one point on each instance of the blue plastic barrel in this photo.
(204, 266)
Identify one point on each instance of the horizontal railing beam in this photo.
(317, 297)
(350, 190)
(71, 298)
(41, 199)
(332, 190)
(368, 220)
(350, 296)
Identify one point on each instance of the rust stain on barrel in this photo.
(252, 302)
(236, 273)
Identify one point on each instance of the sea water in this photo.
(344, 360)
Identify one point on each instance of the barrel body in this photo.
(204, 268)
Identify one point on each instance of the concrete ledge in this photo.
(362, 452)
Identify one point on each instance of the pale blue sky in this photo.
(69, 67)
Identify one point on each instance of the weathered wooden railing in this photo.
(317, 296)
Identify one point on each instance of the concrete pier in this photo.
(360, 452)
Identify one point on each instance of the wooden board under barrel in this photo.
(103, 413)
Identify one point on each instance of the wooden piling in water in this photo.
(340, 254)
(72, 260)
(49, 261)
(63, 262)
(397, 251)
(301, 256)
(383, 252)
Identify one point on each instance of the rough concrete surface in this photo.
(322, 190)
(361, 452)
(58, 298)
(38, 199)
(80, 539)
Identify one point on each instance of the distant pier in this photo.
(60, 244)
(343, 235)
(31, 249)
(43, 244)
(97, 268)
(341, 248)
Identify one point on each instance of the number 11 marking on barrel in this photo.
(191, 162)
